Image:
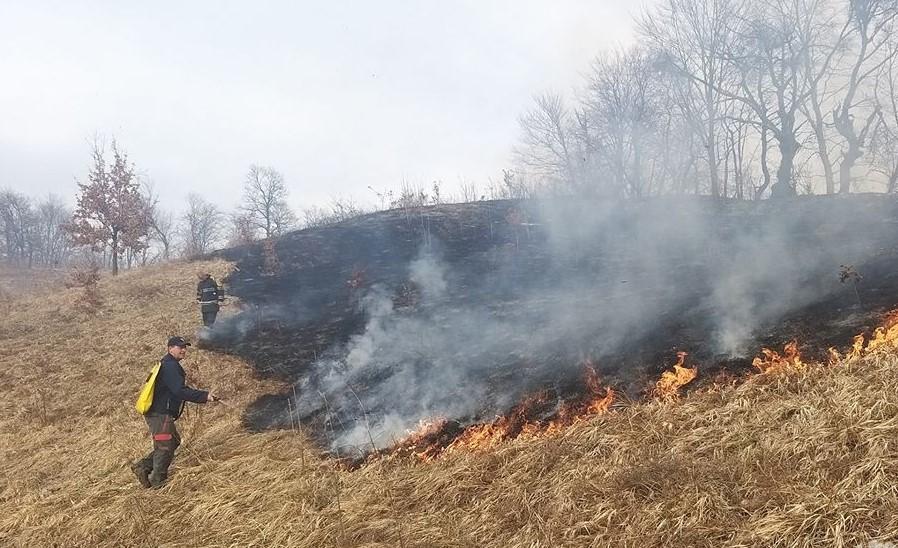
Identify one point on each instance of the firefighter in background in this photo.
(208, 294)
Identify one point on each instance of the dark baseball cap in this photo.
(177, 341)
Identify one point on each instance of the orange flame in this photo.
(857, 348)
(599, 401)
(884, 337)
(771, 361)
(668, 386)
(420, 442)
(484, 436)
(833, 356)
(427, 441)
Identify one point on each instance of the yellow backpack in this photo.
(145, 399)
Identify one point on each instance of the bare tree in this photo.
(884, 143)
(772, 66)
(739, 159)
(689, 36)
(161, 221)
(823, 58)
(265, 201)
(51, 240)
(766, 63)
(677, 151)
(201, 227)
(549, 144)
(872, 23)
(34, 234)
(17, 216)
(620, 108)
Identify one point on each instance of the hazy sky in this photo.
(335, 95)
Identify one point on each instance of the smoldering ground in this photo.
(460, 311)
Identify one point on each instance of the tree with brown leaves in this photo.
(110, 210)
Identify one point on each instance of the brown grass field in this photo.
(806, 458)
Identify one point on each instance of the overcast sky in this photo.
(335, 95)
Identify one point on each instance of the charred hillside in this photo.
(460, 311)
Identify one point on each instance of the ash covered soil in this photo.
(459, 311)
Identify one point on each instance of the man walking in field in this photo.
(208, 294)
(169, 396)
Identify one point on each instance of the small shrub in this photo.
(85, 274)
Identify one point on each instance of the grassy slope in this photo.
(809, 459)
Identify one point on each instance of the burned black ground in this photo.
(631, 290)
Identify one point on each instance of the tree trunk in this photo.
(712, 162)
(115, 253)
(787, 161)
(845, 174)
(788, 147)
(817, 124)
(765, 169)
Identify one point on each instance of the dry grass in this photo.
(805, 459)
(17, 282)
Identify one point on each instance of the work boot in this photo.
(155, 482)
(143, 475)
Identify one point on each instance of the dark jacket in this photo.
(171, 390)
(208, 292)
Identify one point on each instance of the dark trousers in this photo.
(165, 441)
(209, 313)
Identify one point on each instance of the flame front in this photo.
(668, 386)
(884, 337)
(541, 415)
(429, 441)
(771, 361)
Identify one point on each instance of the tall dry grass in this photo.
(804, 459)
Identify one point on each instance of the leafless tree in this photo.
(884, 142)
(161, 221)
(201, 226)
(50, 237)
(738, 156)
(550, 147)
(687, 37)
(771, 63)
(621, 114)
(823, 57)
(18, 219)
(33, 233)
(676, 154)
(265, 201)
(871, 24)
(755, 63)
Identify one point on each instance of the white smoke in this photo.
(594, 280)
